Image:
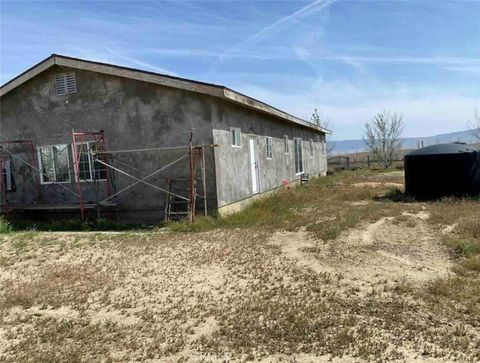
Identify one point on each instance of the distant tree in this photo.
(475, 123)
(322, 121)
(382, 136)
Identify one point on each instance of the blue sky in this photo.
(349, 59)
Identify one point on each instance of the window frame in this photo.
(298, 140)
(286, 144)
(233, 139)
(90, 165)
(269, 147)
(40, 164)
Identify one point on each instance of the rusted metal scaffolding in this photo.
(92, 146)
(37, 173)
(83, 145)
(6, 158)
(195, 155)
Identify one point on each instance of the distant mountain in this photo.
(351, 146)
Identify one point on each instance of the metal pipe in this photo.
(37, 170)
(76, 164)
(204, 181)
(142, 181)
(191, 181)
(153, 149)
(129, 166)
(145, 178)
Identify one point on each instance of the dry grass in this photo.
(58, 284)
(328, 270)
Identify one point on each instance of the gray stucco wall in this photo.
(133, 115)
(233, 168)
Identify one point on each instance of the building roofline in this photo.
(210, 89)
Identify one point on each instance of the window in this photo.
(65, 83)
(269, 147)
(89, 169)
(286, 146)
(236, 135)
(298, 144)
(311, 147)
(54, 164)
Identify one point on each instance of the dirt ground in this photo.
(234, 294)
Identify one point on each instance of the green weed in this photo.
(5, 226)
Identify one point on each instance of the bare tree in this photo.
(325, 122)
(382, 136)
(475, 123)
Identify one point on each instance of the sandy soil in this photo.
(227, 295)
(374, 254)
(378, 185)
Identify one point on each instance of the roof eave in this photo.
(155, 78)
(28, 74)
(252, 103)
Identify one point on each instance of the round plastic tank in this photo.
(443, 170)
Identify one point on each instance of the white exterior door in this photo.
(253, 165)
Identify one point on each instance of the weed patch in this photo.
(5, 226)
(58, 284)
(463, 248)
(70, 225)
(272, 279)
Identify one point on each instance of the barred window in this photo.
(236, 135)
(269, 145)
(89, 169)
(54, 164)
(286, 145)
(298, 145)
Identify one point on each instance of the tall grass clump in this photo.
(69, 225)
(463, 248)
(271, 211)
(305, 205)
(5, 226)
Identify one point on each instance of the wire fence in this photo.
(359, 161)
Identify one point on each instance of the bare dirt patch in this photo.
(378, 185)
(322, 272)
(379, 253)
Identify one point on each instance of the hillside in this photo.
(349, 146)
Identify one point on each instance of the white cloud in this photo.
(426, 115)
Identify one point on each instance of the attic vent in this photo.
(65, 83)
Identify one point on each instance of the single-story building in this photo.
(81, 134)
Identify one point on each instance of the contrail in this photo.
(139, 63)
(315, 6)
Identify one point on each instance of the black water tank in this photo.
(443, 170)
